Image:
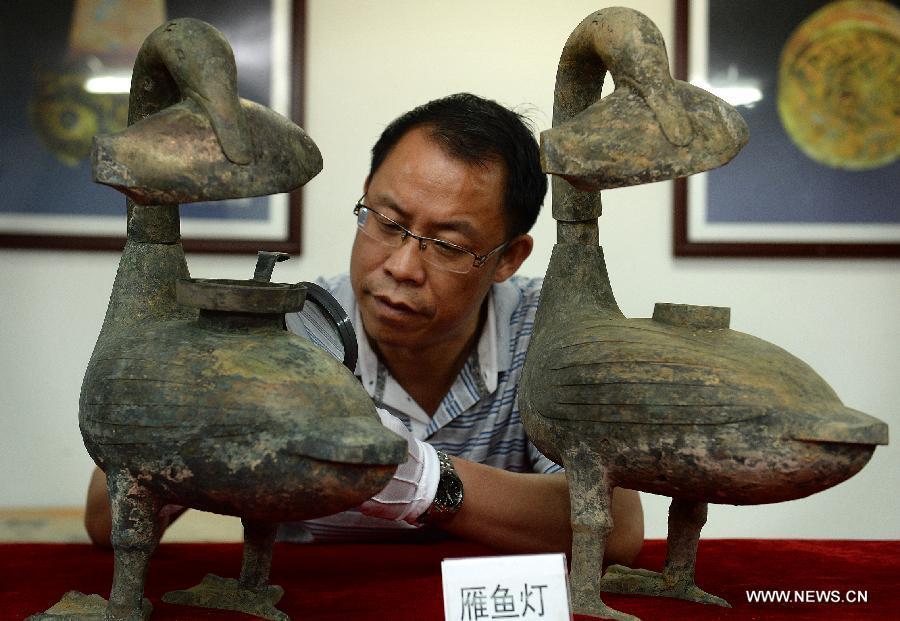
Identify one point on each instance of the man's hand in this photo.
(411, 491)
(529, 512)
(97, 516)
(509, 511)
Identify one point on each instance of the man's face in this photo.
(404, 301)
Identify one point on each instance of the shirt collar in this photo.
(386, 390)
(493, 351)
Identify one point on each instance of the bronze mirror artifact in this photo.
(678, 404)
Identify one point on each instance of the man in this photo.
(443, 326)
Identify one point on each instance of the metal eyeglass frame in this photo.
(478, 260)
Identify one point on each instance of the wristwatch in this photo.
(449, 496)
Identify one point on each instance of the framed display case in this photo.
(816, 83)
(68, 80)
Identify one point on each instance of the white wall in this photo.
(369, 61)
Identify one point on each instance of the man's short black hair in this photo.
(479, 131)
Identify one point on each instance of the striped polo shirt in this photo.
(478, 419)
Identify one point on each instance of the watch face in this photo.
(454, 491)
(449, 496)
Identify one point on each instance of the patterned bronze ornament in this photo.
(104, 37)
(66, 117)
(839, 85)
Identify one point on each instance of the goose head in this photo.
(190, 137)
(650, 128)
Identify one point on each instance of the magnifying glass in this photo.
(331, 321)
(321, 313)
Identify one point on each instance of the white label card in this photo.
(528, 586)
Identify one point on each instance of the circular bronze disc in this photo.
(839, 85)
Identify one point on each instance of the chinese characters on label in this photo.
(521, 587)
(501, 602)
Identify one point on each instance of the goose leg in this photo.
(686, 519)
(251, 594)
(591, 525)
(135, 535)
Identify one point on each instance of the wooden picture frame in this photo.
(38, 205)
(771, 170)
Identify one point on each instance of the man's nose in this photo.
(404, 263)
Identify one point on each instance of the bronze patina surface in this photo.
(195, 394)
(679, 404)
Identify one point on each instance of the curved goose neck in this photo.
(577, 255)
(629, 45)
(579, 81)
(182, 58)
(153, 88)
(185, 58)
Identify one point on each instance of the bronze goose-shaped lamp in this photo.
(222, 409)
(679, 404)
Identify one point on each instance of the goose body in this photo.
(693, 410)
(246, 421)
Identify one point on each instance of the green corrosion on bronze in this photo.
(195, 394)
(679, 404)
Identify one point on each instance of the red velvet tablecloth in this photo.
(403, 582)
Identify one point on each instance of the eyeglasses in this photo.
(437, 252)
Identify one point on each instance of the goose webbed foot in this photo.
(76, 606)
(627, 581)
(229, 594)
(596, 608)
(686, 519)
(252, 594)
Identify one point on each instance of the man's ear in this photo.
(513, 257)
